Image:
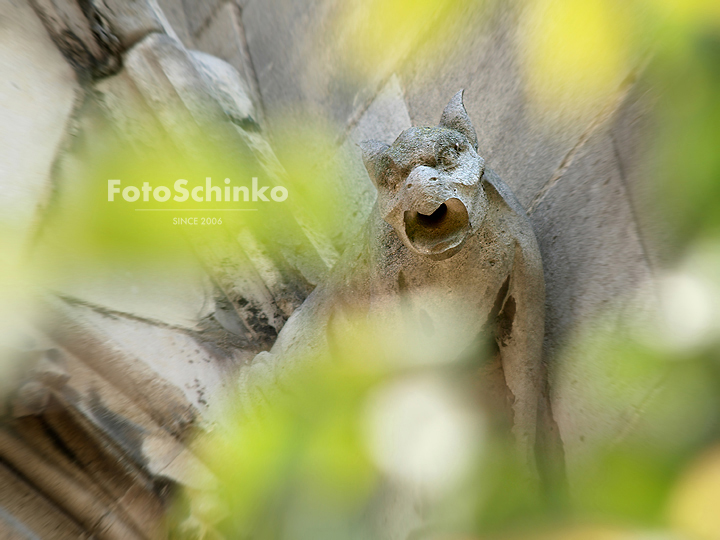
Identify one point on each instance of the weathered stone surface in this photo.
(176, 291)
(121, 448)
(228, 88)
(261, 291)
(483, 56)
(93, 35)
(103, 403)
(299, 59)
(174, 11)
(38, 92)
(224, 37)
(274, 37)
(179, 295)
(632, 136)
(82, 455)
(89, 509)
(385, 118)
(169, 458)
(165, 90)
(84, 38)
(78, 330)
(200, 370)
(170, 82)
(132, 20)
(21, 507)
(94, 395)
(594, 264)
(123, 104)
(199, 12)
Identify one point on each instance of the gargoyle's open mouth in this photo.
(441, 234)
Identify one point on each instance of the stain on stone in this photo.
(402, 284)
(499, 299)
(505, 322)
(198, 387)
(106, 59)
(127, 434)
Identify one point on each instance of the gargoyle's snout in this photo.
(440, 234)
(435, 220)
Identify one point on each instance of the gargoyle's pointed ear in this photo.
(372, 153)
(456, 117)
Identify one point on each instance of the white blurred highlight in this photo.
(687, 310)
(419, 432)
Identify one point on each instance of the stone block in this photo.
(199, 12)
(171, 84)
(92, 37)
(20, 507)
(632, 135)
(179, 295)
(127, 113)
(300, 62)
(176, 357)
(170, 375)
(384, 120)
(224, 37)
(187, 100)
(174, 11)
(484, 56)
(175, 292)
(228, 89)
(38, 94)
(594, 265)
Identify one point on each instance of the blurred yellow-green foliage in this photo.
(336, 455)
(308, 468)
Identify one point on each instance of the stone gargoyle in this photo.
(444, 223)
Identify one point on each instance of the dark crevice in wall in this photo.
(254, 82)
(631, 204)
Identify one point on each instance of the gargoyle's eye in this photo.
(448, 157)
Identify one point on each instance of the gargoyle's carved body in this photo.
(443, 225)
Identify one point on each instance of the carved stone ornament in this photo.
(447, 245)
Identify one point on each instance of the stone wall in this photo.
(579, 178)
